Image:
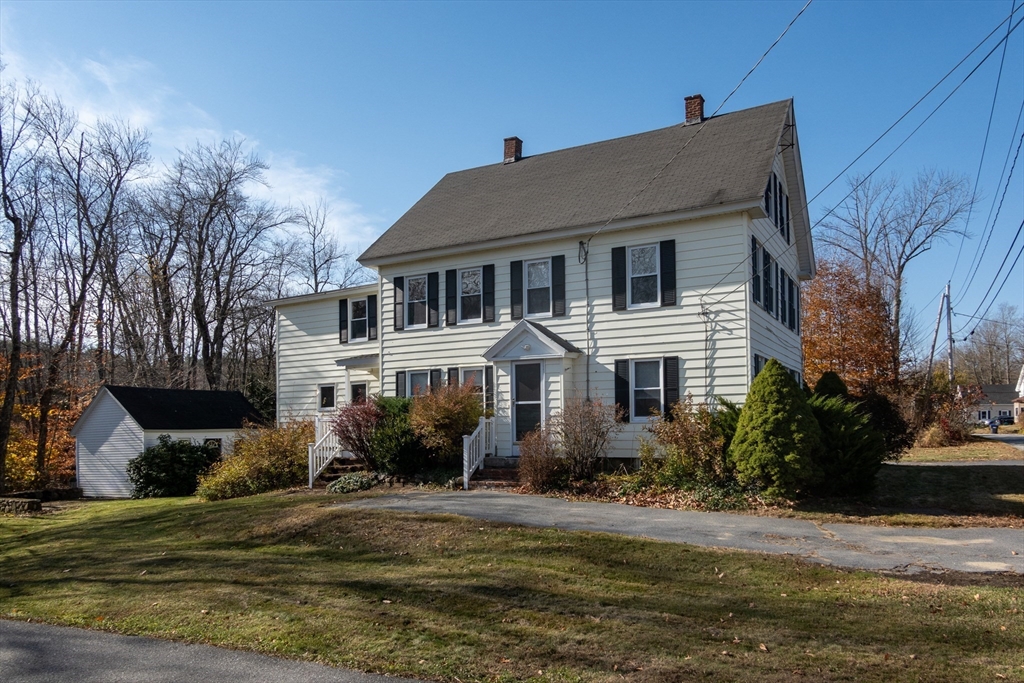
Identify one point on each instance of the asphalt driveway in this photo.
(1015, 440)
(39, 653)
(841, 545)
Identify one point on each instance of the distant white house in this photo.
(1018, 403)
(997, 400)
(633, 270)
(121, 422)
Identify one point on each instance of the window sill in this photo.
(538, 316)
(636, 307)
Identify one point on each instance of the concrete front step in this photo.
(495, 478)
(500, 463)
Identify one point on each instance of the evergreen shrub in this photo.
(777, 436)
(851, 452)
(830, 384)
(170, 468)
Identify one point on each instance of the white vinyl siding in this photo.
(307, 348)
(196, 436)
(104, 443)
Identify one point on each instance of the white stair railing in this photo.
(325, 450)
(475, 447)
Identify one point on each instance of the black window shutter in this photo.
(619, 279)
(400, 383)
(489, 387)
(489, 293)
(400, 305)
(371, 316)
(432, 295)
(670, 367)
(792, 303)
(783, 302)
(786, 216)
(558, 285)
(516, 289)
(435, 379)
(451, 297)
(453, 377)
(343, 321)
(622, 388)
(668, 272)
(756, 268)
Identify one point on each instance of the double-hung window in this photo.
(538, 288)
(646, 385)
(643, 276)
(471, 294)
(357, 320)
(325, 397)
(416, 301)
(474, 377)
(419, 383)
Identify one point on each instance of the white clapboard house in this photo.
(120, 422)
(632, 270)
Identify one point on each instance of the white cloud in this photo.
(132, 89)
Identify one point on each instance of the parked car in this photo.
(1004, 419)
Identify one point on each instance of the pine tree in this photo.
(830, 384)
(777, 435)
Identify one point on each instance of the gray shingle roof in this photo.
(998, 394)
(730, 161)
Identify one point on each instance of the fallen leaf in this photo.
(763, 648)
(142, 573)
(913, 656)
(204, 611)
(783, 595)
(977, 596)
(386, 602)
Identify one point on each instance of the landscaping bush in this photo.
(777, 436)
(690, 442)
(830, 384)
(442, 417)
(394, 447)
(727, 417)
(582, 430)
(851, 452)
(934, 437)
(885, 417)
(170, 468)
(263, 459)
(354, 425)
(354, 481)
(541, 467)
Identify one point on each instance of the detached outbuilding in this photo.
(122, 421)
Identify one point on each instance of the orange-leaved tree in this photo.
(846, 328)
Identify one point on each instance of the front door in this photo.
(527, 401)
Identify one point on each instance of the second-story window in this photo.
(471, 295)
(538, 287)
(357, 321)
(416, 301)
(643, 275)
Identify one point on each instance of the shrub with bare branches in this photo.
(354, 425)
(690, 442)
(541, 466)
(583, 429)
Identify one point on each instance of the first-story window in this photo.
(471, 294)
(416, 301)
(646, 383)
(326, 397)
(214, 445)
(419, 383)
(643, 275)
(759, 362)
(357, 321)
(984, 414)
(358, 392)
(538, 287)
(474, 377)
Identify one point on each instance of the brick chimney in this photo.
(694, 109)
(513, 149)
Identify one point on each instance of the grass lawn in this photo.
(451, 599)
(977, 448)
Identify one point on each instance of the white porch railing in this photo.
(475, 447)
(325, 449)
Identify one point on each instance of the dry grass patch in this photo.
(977, 448)
(452, 599)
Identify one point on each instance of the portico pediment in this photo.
(529, 340)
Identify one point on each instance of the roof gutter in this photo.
(753, 205)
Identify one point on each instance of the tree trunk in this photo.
(14, 365)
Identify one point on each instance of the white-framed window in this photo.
(358, 392)
(357, 320)
(984, 414)
(644, 276)
(474, 377)
(213, 444)
(471, 295)
(538, 288)
(1004, 413)
(646, 387)
(325, 397)
(416, 301)
(419, 382)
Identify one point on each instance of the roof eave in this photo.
(750, 204)
(319, 296)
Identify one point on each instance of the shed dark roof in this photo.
(730, 161)
(184, 409)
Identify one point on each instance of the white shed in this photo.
(122, 421)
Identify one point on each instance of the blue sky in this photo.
(369, 104)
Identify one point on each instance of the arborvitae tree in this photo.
(852, 451)
(777, 435)
(830, 384)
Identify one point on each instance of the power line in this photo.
(995, 278)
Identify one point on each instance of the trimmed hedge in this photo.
(170, 468)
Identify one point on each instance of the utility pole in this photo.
(935, 339)
(949, 332)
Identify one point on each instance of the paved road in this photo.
(842, 545)
(37, 653)
(961, 463)
(1015, 440)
